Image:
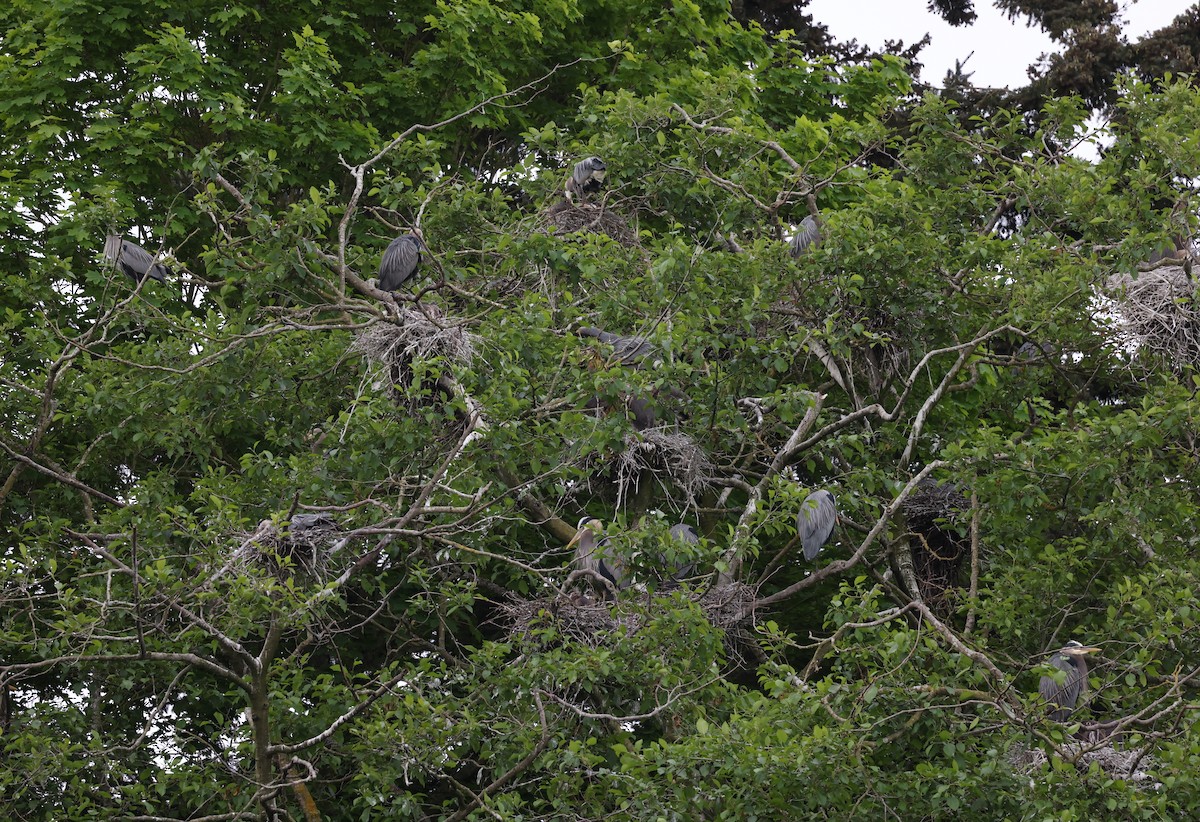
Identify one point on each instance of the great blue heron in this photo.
(133, 259)
(808, 234)
(1029, 351)
(595, 555)
(399, 261)
(302, 523)
(1065, 696)
(631, 351)
(686, 534)
(587, 177)
(818, 515)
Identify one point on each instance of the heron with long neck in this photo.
(1065, 696)
(593, 554)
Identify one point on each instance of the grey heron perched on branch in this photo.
(818, 515)
(632, 351)
(134, 260)
(400, 261)
(595, 555)
(1065, 696)
(586, 177)
(809, 234)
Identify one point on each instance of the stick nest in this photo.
(583, 619)
(933, 511)
(662, 454)
(421, 333)
(1157, 313)
(305, 548)
(931, 501)
(1130, 765)
(597, 218)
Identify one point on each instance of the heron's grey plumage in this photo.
(1065, 697)
(134, 260)
(594, 555)
(1029, 351)
(301, 523)
(399, 262)
(587, 176)
(631, 350)
(808, 234)
(815, 522)
(686, 534)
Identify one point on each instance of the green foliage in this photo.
(174, 642)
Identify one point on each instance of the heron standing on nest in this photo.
(595, 555)
(586, 178)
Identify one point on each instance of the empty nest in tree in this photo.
(661, 453)
(1157, 312)
(934, 512)
(420, 333)
(568, 218)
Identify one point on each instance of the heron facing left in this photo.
(134, 260)
(587, 177)
(595, 555)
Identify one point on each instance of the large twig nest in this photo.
(422, 333)
(305, 546)
(1131, 765)
(1157, 313)
(935, 512)
(598, 218)
(663, 455)
(582, 618)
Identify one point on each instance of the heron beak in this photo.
(1088, 649)
(578, 536)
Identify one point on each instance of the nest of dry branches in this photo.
(306, 547)
(583, 618)
(935, 514)
(662, 455)
(931, 501)
(567, 218)
(421, 333)
(1157, 312)
(1131, 765)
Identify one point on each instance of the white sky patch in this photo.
(1002, 49)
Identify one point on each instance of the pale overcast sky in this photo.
(1002, 50)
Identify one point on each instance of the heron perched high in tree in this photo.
(595, 555)
(818, 515)
(808, 234)
(399, 261)
(134, 260)
(1064, 697)
(587, 177)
